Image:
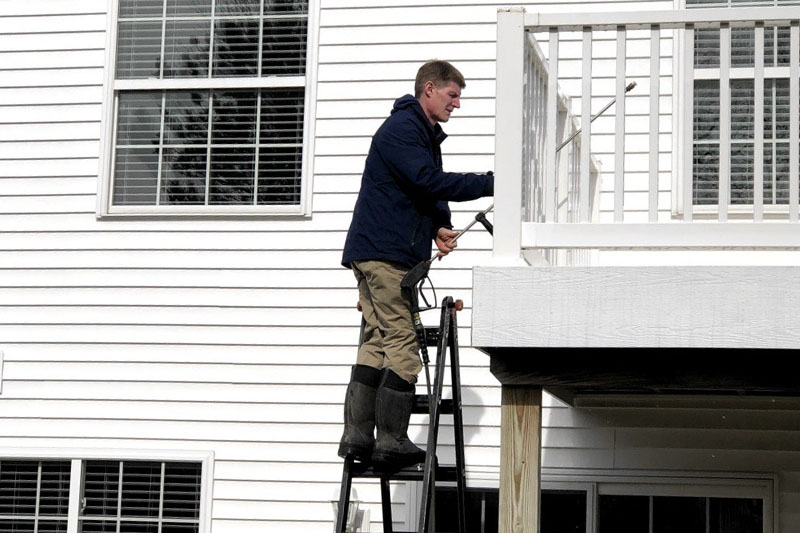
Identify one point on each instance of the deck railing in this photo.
(656, 184)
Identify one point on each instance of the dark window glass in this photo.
(191, 8)
(706, 174)
(97, 526)
(182, 485)
(736, 515)
(232, 177)
(235, 48)
(135, 176)
(742, 167)
(139, 49)
(54, 490)
(186, 48)
(563, 512)
(679, 515)
(284, 47)
(706, 110)
(141, 484)
(139, 118)
(18, 482)
(623, 514)
(481, 510)
(237, 7)
(141, 8)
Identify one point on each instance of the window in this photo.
(207, 111)
(128, 496)
(642, 505)
(706, 124)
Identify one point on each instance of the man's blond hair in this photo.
(440, 73)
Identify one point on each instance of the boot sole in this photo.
(359, 453)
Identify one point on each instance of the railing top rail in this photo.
(704, 17)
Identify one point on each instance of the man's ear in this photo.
(428, 88)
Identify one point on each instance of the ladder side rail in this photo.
(344, 497)
(386, 504)
(458, 424)
(429, 478)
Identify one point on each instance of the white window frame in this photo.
(78, 456)
(105, 209)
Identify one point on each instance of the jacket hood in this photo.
(412, 104)
(404, 102)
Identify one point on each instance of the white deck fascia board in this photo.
(697, 235)
(636, 307)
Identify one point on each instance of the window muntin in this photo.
(209, 107)
(34, 496)
(706, 123)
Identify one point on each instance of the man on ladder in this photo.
(401, 207)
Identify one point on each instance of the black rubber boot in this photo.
(359, 413)
(392, 411)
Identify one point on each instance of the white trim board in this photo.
(636, 307)
(695, 235)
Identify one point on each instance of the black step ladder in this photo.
(445, 338)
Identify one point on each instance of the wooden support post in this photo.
(520, 461)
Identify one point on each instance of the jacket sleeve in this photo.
(441, 218)
(409, 160)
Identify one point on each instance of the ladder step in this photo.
(408, 473)
(421, 405)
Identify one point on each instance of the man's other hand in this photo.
(444, 241)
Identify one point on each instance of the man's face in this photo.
(438, 103)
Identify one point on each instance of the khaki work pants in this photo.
(389, 339)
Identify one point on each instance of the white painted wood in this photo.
(703, 307)
(508, 134)
(794, 122)
(655, 76)
(551, 156)
(758, 124)
(1, 371)
(619, 125)
(76, 472)
(724, 187)
(584, 195)
(700, 235)
(675, 18)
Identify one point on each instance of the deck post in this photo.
(509, 124)
(520, 463)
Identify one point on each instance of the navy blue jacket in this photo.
(404, 192)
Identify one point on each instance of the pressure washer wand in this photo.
(481, 217)
(630, 86)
